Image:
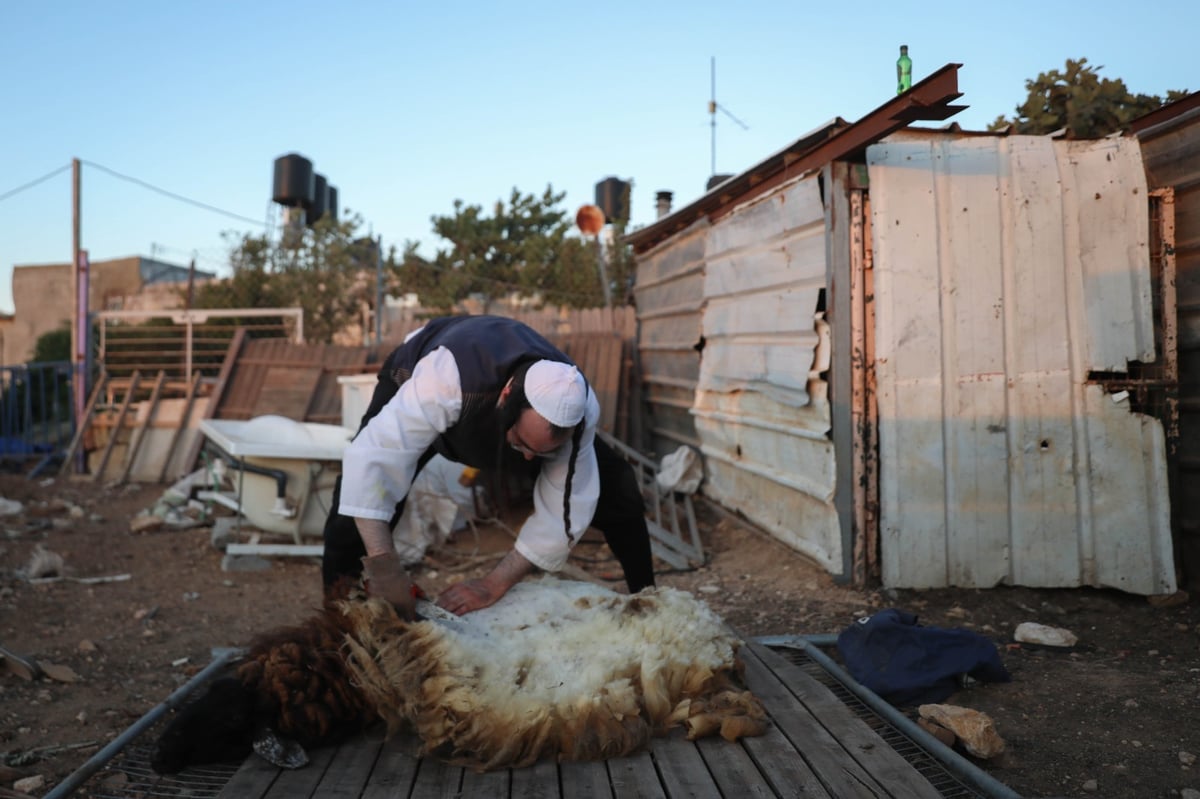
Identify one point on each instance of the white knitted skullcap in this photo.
(557, 391)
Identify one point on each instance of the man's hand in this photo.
(469, 595)
(472, 595)
(387, 578)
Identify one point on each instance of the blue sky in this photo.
(405, 107)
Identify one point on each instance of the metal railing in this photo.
(37, 419)
(181, 343)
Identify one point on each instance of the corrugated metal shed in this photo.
(1008, 269)
(670, 299)
(761, 410)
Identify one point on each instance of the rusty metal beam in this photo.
(928, 100)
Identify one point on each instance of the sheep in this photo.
(292, 682)
(555, 668)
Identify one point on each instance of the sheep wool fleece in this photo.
(555, 667)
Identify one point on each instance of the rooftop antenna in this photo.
(713, 106)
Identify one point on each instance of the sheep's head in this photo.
(217, 727)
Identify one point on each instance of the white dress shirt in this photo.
(379, 465)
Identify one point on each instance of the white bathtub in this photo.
(305, 456)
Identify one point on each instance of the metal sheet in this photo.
(761, 411)
(1006, 269)
(1171, 152)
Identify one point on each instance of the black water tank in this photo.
(612, 195)
(320, 200)
(331, 203)
(293, 184)
(716, 180)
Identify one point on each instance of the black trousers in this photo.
(620, 515)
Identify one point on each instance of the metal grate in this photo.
(929, 766)
(129, 776)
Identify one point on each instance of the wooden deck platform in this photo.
(816, 747)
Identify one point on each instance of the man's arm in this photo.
(383, 570)
(475, 594)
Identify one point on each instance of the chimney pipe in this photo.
(662, 202)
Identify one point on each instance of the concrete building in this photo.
(42, 296)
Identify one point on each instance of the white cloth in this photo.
(379, 464)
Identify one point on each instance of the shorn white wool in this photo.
(558, 668)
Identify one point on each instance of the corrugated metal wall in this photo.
(1171, 153)
(733, 350)
(1006, 269)
(762, 410)
(669, 294)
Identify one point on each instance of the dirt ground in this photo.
(1115, 716)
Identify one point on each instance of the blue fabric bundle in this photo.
(906, 663)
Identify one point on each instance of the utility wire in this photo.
(33, 183)
(174, 196)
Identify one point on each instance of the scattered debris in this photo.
(145, 523)
(22, 666)
(1029, 632)
(108, 578)
(1168, 600)
(975, 730)
(30, 784)
(10, 507)
(59, 673)
(44, 563)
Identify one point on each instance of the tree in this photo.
(327, 270)
(1081, 102)
(53, 345)
(523, 247)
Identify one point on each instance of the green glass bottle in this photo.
(903, 71)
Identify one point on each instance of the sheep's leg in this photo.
(279, 751)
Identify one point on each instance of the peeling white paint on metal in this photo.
(761, 407)
(1006, 269)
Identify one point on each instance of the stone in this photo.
(943, 735)
(975, 730)
(1030, 632)
(145, 523)
(30, 784)
(1168, 600)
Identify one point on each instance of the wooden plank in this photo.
(634, 777)
(115, 433)
(491, 784)
(251, 781)
(682, 768)
(863, 744)
(584, 779)
(394, 770)
(299, 783)
(842, 774)
(351, 767)
(189, 402)
(733, 769)
(82, 424)
(139, 433)
(783, 766)
(539, 781)
(437, 779)
(287, 391)
(214, 400)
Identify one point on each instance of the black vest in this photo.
(487, 349)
